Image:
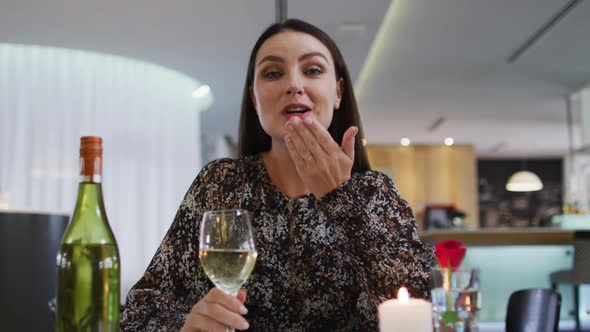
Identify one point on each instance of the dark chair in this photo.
(28, 246)
(579, 274)
(533, 310)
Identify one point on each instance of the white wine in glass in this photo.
(226, 248)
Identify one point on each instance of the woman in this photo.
(334, 238)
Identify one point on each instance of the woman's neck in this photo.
(282, 171)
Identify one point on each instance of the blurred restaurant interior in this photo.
(455, 96)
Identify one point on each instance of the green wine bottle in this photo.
(88, 274)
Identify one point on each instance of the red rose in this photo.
(449, 252)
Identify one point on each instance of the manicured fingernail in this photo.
(245, 325)
(243, 310)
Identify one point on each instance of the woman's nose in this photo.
(294, 86)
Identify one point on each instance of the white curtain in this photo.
(150, 127)
(577, 165)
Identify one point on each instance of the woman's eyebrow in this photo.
(272, 58)
(312, 54)
(275, 58)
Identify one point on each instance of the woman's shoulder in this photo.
(375, 182)
(226, 166)
(219, 168)
(373, 177)
(222, 163)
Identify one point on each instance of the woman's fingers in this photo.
(308, 139)
(348, 141)
(216, 295)
(242, 295)
(199, 322)
(218, 311)
(321, 163)
(222, 315)
(299, 162)
(297, 145)
(223, 308)
(322, 136)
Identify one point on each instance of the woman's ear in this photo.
(339, 90)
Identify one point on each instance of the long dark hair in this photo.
(253, 139)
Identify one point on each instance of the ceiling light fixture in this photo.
(201, 91)
(449, 141)
(405, 141)
(524, 181)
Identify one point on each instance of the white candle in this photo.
(405, 314)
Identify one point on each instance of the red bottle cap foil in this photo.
(91, 157)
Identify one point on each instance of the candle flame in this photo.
(403, 296)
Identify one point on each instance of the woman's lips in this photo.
(300, 115)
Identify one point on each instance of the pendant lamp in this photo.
(524, 181)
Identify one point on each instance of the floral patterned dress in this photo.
(323, 265)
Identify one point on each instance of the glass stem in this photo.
(229, 329)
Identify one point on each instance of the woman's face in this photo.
(294, 77)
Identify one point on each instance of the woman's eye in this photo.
(313, 71)
(272, 74)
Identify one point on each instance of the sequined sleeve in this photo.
(383, 241)
(174, 281)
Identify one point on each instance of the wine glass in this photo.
(226, 248)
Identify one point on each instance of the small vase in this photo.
(456, 299)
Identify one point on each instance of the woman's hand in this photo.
(320, 162)
(216, 312)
